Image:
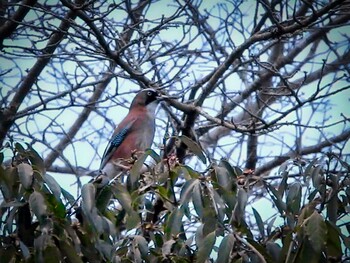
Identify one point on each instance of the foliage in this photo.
(176, 214)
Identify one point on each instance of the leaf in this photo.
(276, 198)
(174, 223)
(24, 249)
(187, 190)
(294, 197)
(55, 205)
(70, 198)
(332, 207)
(37, 204)
(206, 247)
(333, 247)
(274, 250)
(316, 230)
(197, 200)
(142, 245)
(259, 222)
(225, 249)
(238, 211)
(88, 193)
(25, 173)
(137, 166)
(53, 185)
(167, 247)
(283, 184)
(219, 205)
(125, 200)
(233, 171)
(194, 147)
(309, 169)
(317, 176)
(103, 198)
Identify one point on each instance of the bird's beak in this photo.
(162, 97)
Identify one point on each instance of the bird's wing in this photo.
(115, 142)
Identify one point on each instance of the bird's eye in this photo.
(149, 93)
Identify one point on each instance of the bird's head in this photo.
(147, 98)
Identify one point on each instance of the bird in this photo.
(133, 135)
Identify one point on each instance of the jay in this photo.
(133, 135)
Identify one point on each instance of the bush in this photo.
(173, 213)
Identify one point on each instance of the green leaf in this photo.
(223, 177)
(317, 176)
(24, 249)
(194, 147)
(137, 166)
(219, 205)
(259, 222)
(197, 200)
(88, 193)
(53, 185)
(1, 157)
(70, 198)
(56, 206)
(225, 249)
(25, 173)
(206, 247)
(125, 200)
(277, 199)
(332, 207)
(283, 184)
(103, 198)
(294, 197)
(316, 231)
(309, 169)
(239, 210)
(233, 171)
(187, 190)
(333, 247)
(142, 245)
(37, 204)
(174, 223)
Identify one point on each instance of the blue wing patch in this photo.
(119, 137)
(114, 143)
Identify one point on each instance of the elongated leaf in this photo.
(317, 176)
(225, 249)
(283, 184)
(136, 168)
(53, 185)
(24, 249)
(88, 193)
(142, 245)
(167, 247)
(277, 199)
(259, 222)
(25, 173)
(239, 210)
(294, 197)
(233, 171)
(37, 204)
(197, 200)
(174, 223)
(125, 200)
(55, 205)
(123, 197)
(334, 249)
(332, 207)
(206, 247)
(187, 190)
(70, 198)
(316, 230)
(194, 147)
